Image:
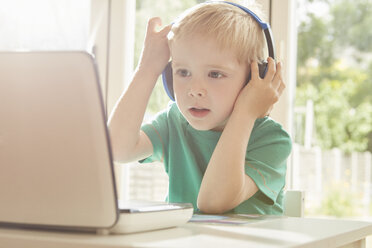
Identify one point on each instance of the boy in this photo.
(220, 149)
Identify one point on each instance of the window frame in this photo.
(112, 28)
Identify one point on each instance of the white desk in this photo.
(271, 232)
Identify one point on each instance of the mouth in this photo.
(199, 112)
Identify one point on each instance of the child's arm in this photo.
(129, 143)
(225, 184)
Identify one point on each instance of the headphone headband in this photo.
(248, 11)
(265, 26)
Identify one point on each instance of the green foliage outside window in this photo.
(339, 203)
(335, 72)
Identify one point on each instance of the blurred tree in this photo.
(339, 202)
(314, 42)
(334, 71)
(339, 122)
(352, 24)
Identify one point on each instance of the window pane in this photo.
(44, 24)
(333, 113)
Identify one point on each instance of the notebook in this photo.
(56, 167)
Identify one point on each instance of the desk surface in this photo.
(267, 232)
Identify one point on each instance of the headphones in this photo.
(167, 74)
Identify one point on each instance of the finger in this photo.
(165, 30)
(278, 76)
(254, 70)
(152, 23)
(271, 69)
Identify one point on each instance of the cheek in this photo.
(227, 99)
(177, 89)
(180, 91)
(228, 95)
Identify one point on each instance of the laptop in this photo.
(56, 166)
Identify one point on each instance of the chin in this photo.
(199, 126)
(204, 127)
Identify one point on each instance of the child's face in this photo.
(206, 81)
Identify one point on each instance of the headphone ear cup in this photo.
(262, 68)
(167, 76)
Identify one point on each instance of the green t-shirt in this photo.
(186, 152)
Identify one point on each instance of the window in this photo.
(333, 107)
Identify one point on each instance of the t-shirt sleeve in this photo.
(157, 131)
(266, 158)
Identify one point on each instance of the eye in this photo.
(215, 74)
(183, 73)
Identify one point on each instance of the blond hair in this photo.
(228, 25)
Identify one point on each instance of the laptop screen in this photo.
(55, 162)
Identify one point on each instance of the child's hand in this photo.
(259, 95)
(155, 53)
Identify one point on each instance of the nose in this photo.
(197, 89)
